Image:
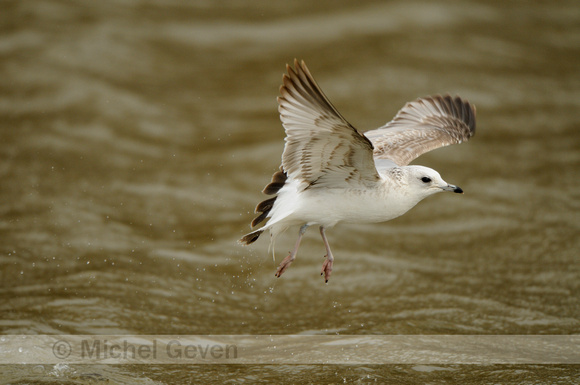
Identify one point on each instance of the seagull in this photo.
(333, 173)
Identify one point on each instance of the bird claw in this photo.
(285, 264)
(326, 268)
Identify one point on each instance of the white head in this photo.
(425, 181)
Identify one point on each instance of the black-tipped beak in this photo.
(453, 188)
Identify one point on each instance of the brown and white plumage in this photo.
(331, 172)
(423, 125)
(322, 148)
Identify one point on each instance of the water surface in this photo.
(136, 138)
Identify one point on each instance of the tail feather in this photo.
(251, 237)
(264, 207)
(277, 182)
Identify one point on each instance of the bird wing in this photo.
(322, 149)
(421, 126)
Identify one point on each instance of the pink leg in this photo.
(327, 265)
(292, 256)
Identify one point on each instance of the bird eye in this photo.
(425, 179)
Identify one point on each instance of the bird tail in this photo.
(251, 237)
(264, 207)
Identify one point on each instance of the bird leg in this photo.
(292, 256)
(327, 265)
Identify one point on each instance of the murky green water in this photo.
(136, 137)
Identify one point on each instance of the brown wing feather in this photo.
(423, 125)
(322, 148)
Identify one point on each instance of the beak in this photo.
(453, 188)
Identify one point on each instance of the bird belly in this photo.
(358, 206)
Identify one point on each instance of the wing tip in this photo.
(456, 106)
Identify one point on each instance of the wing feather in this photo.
(423, 125)
(322, 149)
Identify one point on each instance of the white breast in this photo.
(327, 207)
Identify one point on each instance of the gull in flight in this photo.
(331, 172)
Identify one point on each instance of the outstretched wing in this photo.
(322, 149)
(423, 125)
